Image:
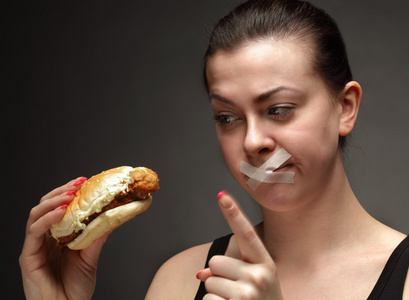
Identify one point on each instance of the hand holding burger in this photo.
(108, 199)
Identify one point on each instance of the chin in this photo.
(277, 197)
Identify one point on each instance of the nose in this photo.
(258, 139)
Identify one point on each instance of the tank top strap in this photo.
(392, 279)
(218, 247)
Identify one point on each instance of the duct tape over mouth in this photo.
(265, 173)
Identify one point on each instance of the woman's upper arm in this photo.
(176, 278)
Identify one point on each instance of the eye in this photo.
(224, 120)
(280, 112)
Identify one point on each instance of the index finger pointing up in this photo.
(251, 247)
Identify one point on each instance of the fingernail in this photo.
(221, 194)
(226, 201)
(198, 274)
(70, 193)
(63, 206)
(80, 181)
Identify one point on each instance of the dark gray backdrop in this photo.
(90, 85)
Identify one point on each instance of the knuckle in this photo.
(250, 234)
(209, 283)
(43, 198)
(31, 230)
(247, 291)
(233, 213)
(33, 213)
(208, 297)
(46, 197)
(22, 261)
(214, 261)
(261, 277)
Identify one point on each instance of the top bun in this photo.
(99, 191)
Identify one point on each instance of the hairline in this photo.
(306, 41)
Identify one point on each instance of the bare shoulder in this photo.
(176, 278)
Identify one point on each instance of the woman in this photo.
(278, 78)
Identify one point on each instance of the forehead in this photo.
(259, 65)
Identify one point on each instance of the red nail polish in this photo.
(198, 274)
(80, 181)
(221, 194)
(225, 202)
(70, 193)
(63, 206)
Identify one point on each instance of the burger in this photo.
(104, 202)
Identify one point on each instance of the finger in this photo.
(36, 232)
(204, 274)
(212, 297)
(57, 197)
(222, 287)
(47, 206)
(92, 253)
(43, 224)
(251, 247)
(73, 185)
(227, 267)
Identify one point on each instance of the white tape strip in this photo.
(265, 173)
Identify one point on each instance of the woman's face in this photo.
(265, 96)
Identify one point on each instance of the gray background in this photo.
(91, 85)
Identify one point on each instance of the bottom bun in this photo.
(107, 221)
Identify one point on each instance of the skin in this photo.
(315, 241)
(50, 272)
(265, 96)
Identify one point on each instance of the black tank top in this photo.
(388, 287)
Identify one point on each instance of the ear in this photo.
(350, 100)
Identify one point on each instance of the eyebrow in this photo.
(260, 98)
(221, 99)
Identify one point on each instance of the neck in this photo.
(334, 221)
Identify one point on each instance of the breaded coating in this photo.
(145, 182)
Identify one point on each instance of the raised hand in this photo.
(252, 277)
(50, 272)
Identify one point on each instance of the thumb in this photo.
(92, 253)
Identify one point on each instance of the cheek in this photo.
(232, 150)
(321, 122)
(314, 142)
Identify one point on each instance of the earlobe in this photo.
(350, 102)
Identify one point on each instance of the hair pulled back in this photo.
(291, 20)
